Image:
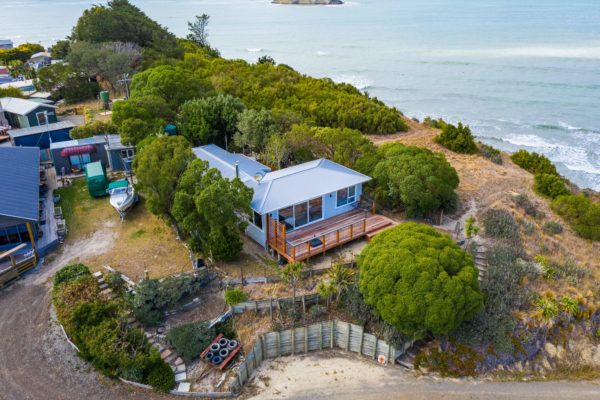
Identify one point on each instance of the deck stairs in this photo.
(380, 225)
(407, 358)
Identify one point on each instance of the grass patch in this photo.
(137, 234)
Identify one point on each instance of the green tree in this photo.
(277, 150)
(20, 53)
(139, 117)
(326, 290)
(471, 229)
(347, 147)
(459, 139)
(12, 92)
(61, 49)
(120, 21)
(210, 120)
(266, 59)
(173, 84)
(199, 30)
(158, 167)
(415, 178)
(292, 274)
(340, 276)
(109, 62)
(189, 340)
(210, 209)
(254, 129)
(418, 280)
(550, 185)
(64, 81)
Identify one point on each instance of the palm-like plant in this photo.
(340, 277)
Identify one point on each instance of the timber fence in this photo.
(320, 336)
(271, 304)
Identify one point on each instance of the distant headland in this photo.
(309, 2)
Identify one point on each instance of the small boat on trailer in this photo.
(122, 196)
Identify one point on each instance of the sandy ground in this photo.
(337, 375)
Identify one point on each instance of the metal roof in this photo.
(80, 142)
(34, 130)
(20, 182)
(17, 106)
(285, 187)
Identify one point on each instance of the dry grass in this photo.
(141, 241)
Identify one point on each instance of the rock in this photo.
(550, 349)
(519, 366)
(560, 352)
(546, 364)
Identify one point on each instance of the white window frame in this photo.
(348, 201)
(37, 117)
(127, 153)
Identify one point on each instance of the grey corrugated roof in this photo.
(80, 142)
(41, 129)
(20, 182)
(20, 106)
(285, 187)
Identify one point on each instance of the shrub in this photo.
(115, 281)
(581, 213)
(70, 273)
(457, 361)
(500, 223)
(317, 311)
(418, 280)
(161, 377)
(153, 297)
(493, 154)
(235, 296)
(414, 178)
(527, 205)
(459, 139)
(550, 185)
(434, 123)
(354, 303)
(93, 129)
(189, 340)
(553, 227)
(533, 162)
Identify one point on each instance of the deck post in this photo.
(337, 236)
(365, 226)
(308, 244)
(294, 253)
(30, 232)
(351, 231)
(324, 249)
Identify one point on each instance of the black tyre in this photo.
(216, 360)
(232, 344)
(223, 342)
(208, 356)
(223, 353)
(214, 347)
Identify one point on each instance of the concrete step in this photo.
(97, 274)
(184, 387)
(178, 368)
(165, 354)
(100, 281)
(180, 377)
(103, 286)
(171, 358)
(178, 361)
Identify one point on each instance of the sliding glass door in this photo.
(301, 214)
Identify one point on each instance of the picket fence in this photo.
(325, 335)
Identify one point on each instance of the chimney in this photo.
(237, 169)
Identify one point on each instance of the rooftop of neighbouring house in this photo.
(99, 139)
(274, 190)
(34, 130)
(19, 183)
(17, 106)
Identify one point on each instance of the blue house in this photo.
(303, 210)
(19, 210)
(21, 113)
(41, 136)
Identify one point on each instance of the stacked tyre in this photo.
(220, 350)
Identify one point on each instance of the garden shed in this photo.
(97, 182)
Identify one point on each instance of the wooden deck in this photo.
(324, 235)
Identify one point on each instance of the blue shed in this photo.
(42, 136)
(21, 113)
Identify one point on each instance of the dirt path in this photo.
(336, 375)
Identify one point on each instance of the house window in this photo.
(315, 209)
(302, 213)
(79, 161)
(127, 153)
(346, 196)
(257, 220)
(42, 118)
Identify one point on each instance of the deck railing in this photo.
(320, 242)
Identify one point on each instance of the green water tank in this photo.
(104, 96)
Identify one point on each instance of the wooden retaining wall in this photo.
(315, 337)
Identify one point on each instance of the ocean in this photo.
(521, 73)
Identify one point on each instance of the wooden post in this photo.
(293, 341)
(305, 339)
(389, 356)
(362, 339)
(271, 307)
(303, 304)
(254, 357)
(373, 208)
(308, 244)
(331, 337)
(321, 336)
(294, 253)
(256, 307)
(323, 244)
(337, 236)
(351, 233)
(348, 337)
(13, 262)
(278, 344)
(365, 225)
(375, 348)
(262, 346)
(284, 236)
(30, 232)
